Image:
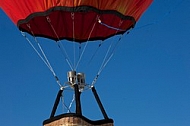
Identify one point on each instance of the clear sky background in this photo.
(147, 82)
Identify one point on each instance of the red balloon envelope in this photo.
(75, 20)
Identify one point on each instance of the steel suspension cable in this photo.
(60, 45)
(74, 53)
(70, 105)
(87, 42)
(95, 52)
(64, 105)
(42, 55)
(107, 57)
(104, 63)
(28, 40)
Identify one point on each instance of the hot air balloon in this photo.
(77, 22)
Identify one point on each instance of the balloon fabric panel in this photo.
(55, 19)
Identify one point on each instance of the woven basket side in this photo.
(73, 121)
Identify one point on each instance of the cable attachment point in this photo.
(72, 15)
(28, 25)
(99, 21)
(48, 19)
(61, 88)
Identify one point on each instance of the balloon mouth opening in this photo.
(76, 25)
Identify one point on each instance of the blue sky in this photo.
(146, 83)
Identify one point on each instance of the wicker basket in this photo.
(72, 119)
